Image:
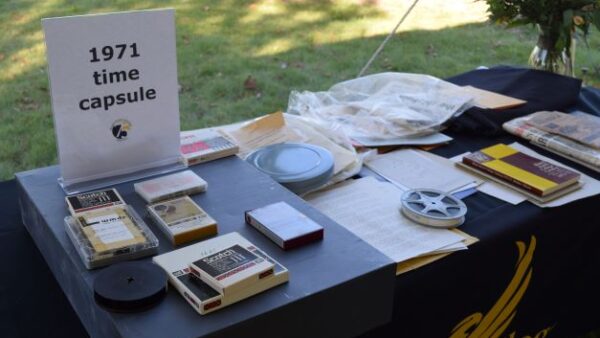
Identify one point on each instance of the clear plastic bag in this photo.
(384, 105)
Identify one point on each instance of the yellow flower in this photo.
(578, 20)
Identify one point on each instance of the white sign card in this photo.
(113, 80)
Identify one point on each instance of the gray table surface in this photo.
(339, 286)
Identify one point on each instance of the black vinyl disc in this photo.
(130, 286)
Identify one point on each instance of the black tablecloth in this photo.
(32, 304)
(535, 271)
(560, 296)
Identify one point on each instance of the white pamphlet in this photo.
(370, 210)
(412, 169)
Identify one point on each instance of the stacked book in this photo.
(538, 179)
(575, 136)
(220, 271)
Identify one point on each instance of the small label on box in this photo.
(109, 228)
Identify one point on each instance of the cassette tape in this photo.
(182, 220)
(110, 235)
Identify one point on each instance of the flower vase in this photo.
(545, 55)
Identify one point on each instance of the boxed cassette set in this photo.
(232, 268)
(105, 230)
(225, 260)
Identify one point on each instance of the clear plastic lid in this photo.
(108, 235)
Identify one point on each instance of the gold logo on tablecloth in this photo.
(495, 322)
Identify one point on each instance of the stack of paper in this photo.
(370, 209)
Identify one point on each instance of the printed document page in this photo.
(370, 209)
(411, 169)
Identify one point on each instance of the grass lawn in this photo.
(283, 45)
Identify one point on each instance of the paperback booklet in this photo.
(204, 145)
(201, 296)
(534, 175)
(284, 225)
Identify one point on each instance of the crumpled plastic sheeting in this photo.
(383, 105)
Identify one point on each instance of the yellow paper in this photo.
(490, 100)
(418, 262)
(263, 131)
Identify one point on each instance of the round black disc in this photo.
(130, 286)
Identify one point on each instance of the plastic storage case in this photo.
(109, 235)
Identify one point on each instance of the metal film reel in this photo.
(433, 208)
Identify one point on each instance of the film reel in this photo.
(433, 208)
(130, 286)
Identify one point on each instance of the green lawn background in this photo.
(283, 45)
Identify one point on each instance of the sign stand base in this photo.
(79, 187)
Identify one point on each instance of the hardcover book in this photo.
(284, 225)
(199, 146)
(536, 176)
(201, 296)
(232, 268)
(182, 220)
(93, 200)
(170, 186)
